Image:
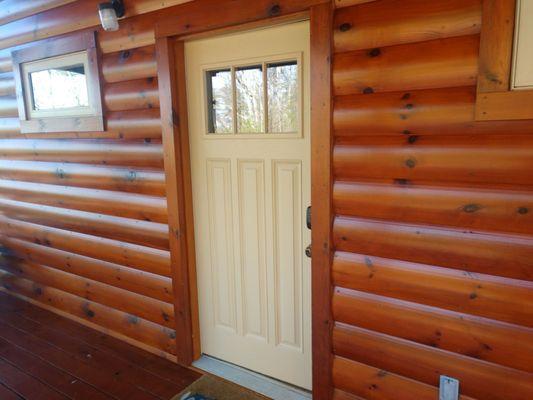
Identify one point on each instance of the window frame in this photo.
(496, 98)
(250, 62)
(45, 54)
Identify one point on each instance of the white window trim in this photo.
(66, 60)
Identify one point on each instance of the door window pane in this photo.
(220, 101)
(260, 98)
(249, 91)
(282, 82)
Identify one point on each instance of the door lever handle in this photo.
(308, 251)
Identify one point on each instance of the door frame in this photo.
(202, 18)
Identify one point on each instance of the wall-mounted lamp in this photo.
(110, 12)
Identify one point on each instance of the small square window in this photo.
(58, 85)
(260, 98)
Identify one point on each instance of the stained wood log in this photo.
(129, 65)
(342, 395)
(494, 297)
(348, 3)
(192, 18)
(68, 18)
(5, 62)
(496, 49)
(138, 123)
(130, 255)
(124, 229)
(423, 112)
(374, 383)
(386, 23)
(502, 255)
(127, 205)
(426, 364)
(132, 95)
(136, 328)
(7, 84)
(87, 176)
(134, 304)
(133, 280)
(84, 151)
(473, 159)
(480, 338)
(417, 112)
(16, 9)
(500, 211)
(135, 32)
(8, 107)
(434, 64)
(9, 127)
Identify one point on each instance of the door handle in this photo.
(308, 251)
(308, 217)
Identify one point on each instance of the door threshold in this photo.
(261, 384)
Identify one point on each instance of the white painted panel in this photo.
(523, 48)
(221, 241)
(288, 244)
(252, 236)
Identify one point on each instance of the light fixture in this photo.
(109, 12)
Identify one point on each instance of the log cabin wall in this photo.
(83, 220)
(433, 230)
(434, 212)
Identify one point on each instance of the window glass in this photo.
(249, 91)
(260, 98)
(220, 101)
(58, 88)
(282, 82)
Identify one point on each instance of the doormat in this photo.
(209, 387)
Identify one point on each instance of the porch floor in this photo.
(45, 356)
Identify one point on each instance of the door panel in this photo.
(250, 193)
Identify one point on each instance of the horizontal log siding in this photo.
(432, 271)
(83, 222)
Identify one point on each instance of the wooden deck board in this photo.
(76, 362)
(8, 394)
(47, 373)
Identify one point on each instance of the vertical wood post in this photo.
(496, 45)
(173, 108)
(321, 184)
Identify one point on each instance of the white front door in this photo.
(248, 97)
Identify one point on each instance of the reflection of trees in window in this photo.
(220, 101)
(59, 88)
(282, 97)
(248, 86)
